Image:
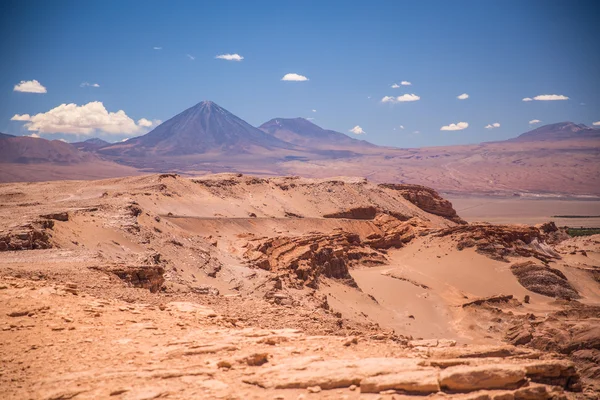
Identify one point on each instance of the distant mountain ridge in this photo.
(203, 128)
(29, 150)
(558, 131)
(92, 144)
(302, 132)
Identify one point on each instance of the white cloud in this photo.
(157, 48)
(492, 126)
(401, 126)
(395, 86)
(85, 119)
(534, 121)
(230, 57)
(30, 87)
(463, 96)
(357, 130)
(455, 127)
(547, 97)
(405, 83)
(144, 122)
(309, 119)
(191, 57)
(596, 123)
(124, 140)
(550, 97)
(294, 77)
(23, 117)
(400, 99)
(416, 132)
(314, 110)
(86, 84)
(34, 135)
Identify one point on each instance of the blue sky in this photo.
(351, 52)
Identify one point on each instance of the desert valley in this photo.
(383, 200)
(177, 282)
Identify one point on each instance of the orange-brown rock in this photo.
(304, 258)
(501, 241)
(426, 199)
(544, 280)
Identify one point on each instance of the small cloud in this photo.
(455, 127)
(547, 97)
(191, 57)
(230, 57)
(34, 135)
(416, 132)
(62, 140)
(144, 122)
(582, 104)
(86, 84)
(395, 86)
(463, 96)
(400, 99)
(157, 48)
(550, 97)
(23, 117)
(492, 126)
(314, 110)
(368, 97)
(124, 140)
(294, 77)
(405, 83)
(309, 118)
(534, 121)
(401, 126)
(357, 130)
(596, 123)
(30, 87)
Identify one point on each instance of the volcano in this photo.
(205, 128)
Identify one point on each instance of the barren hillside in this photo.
(243, 287)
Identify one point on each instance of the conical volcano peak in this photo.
(203, 128)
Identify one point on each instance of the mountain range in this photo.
(206, 138)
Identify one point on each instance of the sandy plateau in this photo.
(237, 287)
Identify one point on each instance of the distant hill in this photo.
(302, 132)
(558, 131)
(203, 128)
(5, 136)
(92, 144)
(24, 158)
(27, 150)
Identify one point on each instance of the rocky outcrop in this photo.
(147, 277)
(395, 232)
(501, 241)
(354, 213)
(32, 236)
(427, 200)
(302, 259)
(517, 378)
(573, 331)
(544, 280)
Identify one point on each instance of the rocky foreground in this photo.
(232, 286)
